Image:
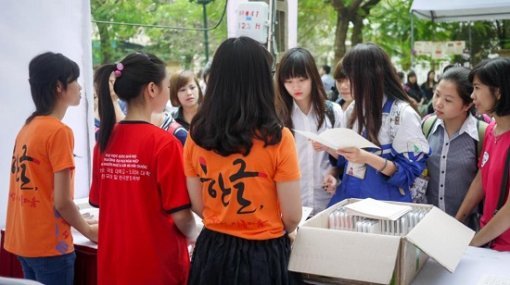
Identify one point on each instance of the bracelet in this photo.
(384, 166)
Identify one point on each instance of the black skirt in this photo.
(224, 259)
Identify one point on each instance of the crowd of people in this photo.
(230, 154)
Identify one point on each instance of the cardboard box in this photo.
(334, 256)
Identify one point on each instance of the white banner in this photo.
(439, 49)
(29, 28)
(291, 19)
(253, 20)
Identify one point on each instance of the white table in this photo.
(478, 266)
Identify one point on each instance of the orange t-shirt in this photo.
(239, 192)
(34, 228)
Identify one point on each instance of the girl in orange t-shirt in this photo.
(242, 173)
(40, 209)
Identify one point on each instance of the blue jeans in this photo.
(57, 270)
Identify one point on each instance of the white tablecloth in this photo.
(478, 266)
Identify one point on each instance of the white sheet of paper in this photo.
(306, 211)
(371, 208)
(339, 138)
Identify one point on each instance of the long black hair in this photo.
(238, 104)
(132, 73)
(372, 75)
(299, 62)
(45, 71)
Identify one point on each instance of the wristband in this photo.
(384, 166)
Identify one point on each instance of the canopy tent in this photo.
(458, 11)
(461, 10)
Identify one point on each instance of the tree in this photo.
(119, 11)
(333, 22)
(390, 27)
(180, 41)
(503, 29)
(350, 11)
(484, 39)
(317, 37)
(184, 45)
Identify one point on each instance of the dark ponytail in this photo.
(105, 104)
(132, 74)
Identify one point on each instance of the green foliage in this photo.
(182, 44)
(484, 38)
(388, 24)
(390, 27)
(316, 29)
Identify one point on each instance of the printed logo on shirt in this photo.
(123, 167)
(19, 168)
(416, 147)
(485, 158)
(245, 205)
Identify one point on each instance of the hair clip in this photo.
(118, 69)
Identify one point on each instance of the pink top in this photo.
(492, 163)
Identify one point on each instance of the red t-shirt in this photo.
(137, 182)
(239, 192)
(492, 163)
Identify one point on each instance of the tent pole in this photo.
(470, 45)
(271, 27)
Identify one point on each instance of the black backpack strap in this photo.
(481, 126)
(330, 113)
(504, 182)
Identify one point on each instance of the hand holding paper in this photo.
(338, 138)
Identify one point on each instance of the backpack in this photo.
(178, 131)
(330, 113)
(174, 128)
(481, 126)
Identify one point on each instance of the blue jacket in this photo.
(402, 142)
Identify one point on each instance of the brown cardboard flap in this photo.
(441, 237)
(344, 254)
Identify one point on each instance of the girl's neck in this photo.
(346, 104)
(157, 119)
(138, 113)
(59, 111)
(189, 112)
(304, 105)
(502, 124)
(452, 126)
